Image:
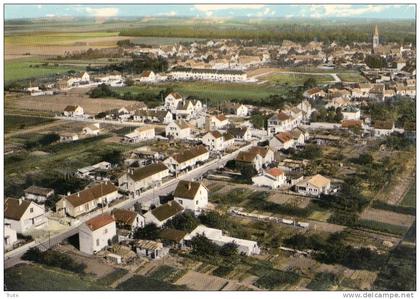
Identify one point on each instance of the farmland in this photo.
(19, 122)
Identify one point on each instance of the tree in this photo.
(148, 232)
(309, 83)
(202, 246)
(247, 170)
(229, 249)
(185, 221)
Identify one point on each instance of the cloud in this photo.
(340, 10)
(39, 6)
(210, 7)
(102, 12)
(50, 15)
(168, 14)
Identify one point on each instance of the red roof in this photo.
(99, 221)
(284, 136)
(275, 172)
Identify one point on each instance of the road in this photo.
(13, 257)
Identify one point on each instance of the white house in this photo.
(140, 134)
(282, 140)
(24, 215)
(163, 213)
(68, 137)
(216, 122)
(127, 219)
(87, 200)
(383, 128)
(92, 130)
(89, 171)
(10, 236)
(192, 196)
(153, 116)
(38, 194)
(188, 159)
(314, 93)
(236, 109)
(208, 74)
(137, 180)
(73, 111)
(240, 134)
(314, 185)
(273, 178)
(148, 76)
(172, 100)
(97, 233)
(279, 122)
(246, 247)
(350, 113)
(179, 129)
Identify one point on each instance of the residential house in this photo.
(97, 233)
(174, 238)
(73, 111)
(240, 134)
(282, 140)
(188, 159)
(216, 141)
(151, 249)
(23, 215)
(38, 194)
(92, 130)
(314, 93)
(383, 128)
(216, 122)
(314, 185)
(148, 76)
(192, 196)
(87, 200)
(172, 100)
(137, 180)
(208, 74)
(90, 171)
(179, 129)
(163, 213)
(126, 219)
(279, 122)
(140, 134)
(235, 109)
(153, 116)
(273, 178)
(10, 236)
(350, 113)
(68, 137)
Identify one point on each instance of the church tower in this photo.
(375, 39)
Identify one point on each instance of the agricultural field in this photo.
(352, 77)
(409, 199)
(18, 122)
(296, 79)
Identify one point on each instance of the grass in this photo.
(222, 271)
(163, 272)
(320, 216)
(298, 79)
(112, 277)
(322, 281)
(142, 283)
(18, 122)
(352, 77)
(28, 277)
(409, 199)
(382, 227)
(29, 68)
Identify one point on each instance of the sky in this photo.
(13, 11)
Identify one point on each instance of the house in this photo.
(23, 215)
(68, 137)
(351, 113)
(208, 74)
(188, 159)
(192, 196)
(140, 134)
(126, 219)
(172, 100)
(273, 178)
(216, 122)
(314, 93)
(235, 109)
(163, 213)
(38, 194)
(87, 200)
(216, 141)
(173, 237)
(300, 135)
(97, 233)
(314, 185)
(179, 129)
(349, 124)
(282, 140)
(92, 130)
(185, 110)
(266, 154)
(137, 180)
(150, 249)
(383, 128)
(240, 134)
(148, 76)
(10, 236)
(89, 171)
(279, 122)
(246, 247)
(73, 111)
(153, 116)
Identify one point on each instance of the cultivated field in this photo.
(387, 217)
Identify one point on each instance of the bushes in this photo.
(323, 281)
(310, 152)
(142, 283)
(102, 91)
(54, 259)
(276, 278)
(185, 221)
(148, 232)
(222, 271)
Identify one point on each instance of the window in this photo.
(105, 231)
(180, 201)
(31, 210)
(97, 242)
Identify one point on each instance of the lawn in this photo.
(409, 199)
(298, 79)
(26, 277)
(163, 272)
(352, 77)
(18, 122)
(29, 68)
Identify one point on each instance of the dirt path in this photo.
(36, 128)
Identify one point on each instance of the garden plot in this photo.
(202, 282)
(289, 199)
(387, 217)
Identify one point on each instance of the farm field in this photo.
(19, 122)
(409, 199)
(296, 79)
(352, 77)
(387, 217)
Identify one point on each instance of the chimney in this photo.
(68, 193)
(20, 200)
(78, 194)
(189, 185)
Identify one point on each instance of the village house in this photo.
(97, 234)
(185, 110)
(216, 141)
(279, 122)
(163, 213)
(172, 100)
(137, 180)
(282, 140)
(192, 196)
(10, 236)
(246, 247)
(351, 113)
(68, 137)
(383, 128)
(240, 134)
(187, 160)
(87, 200)
(92, 130)
(299, 135)
(208, 74)
(73, 111)
(236, 109)
(174, 238)
(38, 194)
(126, 219)
(258, 157)
(147, 76)
(314, 93)
(153, 116)
(178, 129)
(216, 122)
(24, 215)
(151, 249)
(272, 178)
(140, 134)
(314, 185)
(90, 171)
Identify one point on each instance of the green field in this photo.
(19, 122)
(352, 77)
(298, 79)
(142, 283)
(27, 277)
(29, 68)
(409, 199)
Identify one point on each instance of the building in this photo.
(163, 213)
(97, 233)
(92, 130)
(10, 236)
(282, 140)
(192, 196)
(23, 215)
(137, 180)
(216, 122)
(126, 219)
(383, 128)
(314, 185)
(314, 93)
(272, 178)
(151, 249)
(90, 171)
(216, 141)
(236, 109)
(208, 74)
(38, 194)
(375, 38)
(172, 100)
(68, 137)
(246, 247)
(188, 159)
(240, 134)
(140, 134)
(87, 200)
(148, 76)
(153, 116)
(73, 111)
(351, 113)
(279, 122)
(179, 129)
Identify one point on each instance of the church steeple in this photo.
(375, 39)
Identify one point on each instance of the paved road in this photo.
(13, 257)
